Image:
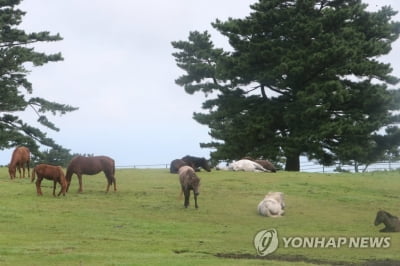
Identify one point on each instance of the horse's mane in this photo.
(389, 215)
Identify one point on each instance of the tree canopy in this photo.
(17, 57)
(301, 77)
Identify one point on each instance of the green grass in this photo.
(144, 222)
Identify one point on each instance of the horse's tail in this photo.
(113, 172)
(33, 175)
(113, 166)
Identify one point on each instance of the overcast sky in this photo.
(119, 70)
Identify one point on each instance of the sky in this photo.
(119, 70)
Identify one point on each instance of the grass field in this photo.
(144, 222)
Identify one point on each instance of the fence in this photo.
(378, 166)
(305, 166)
(143, 166)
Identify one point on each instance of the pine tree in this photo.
(17, 55)
(303, 78)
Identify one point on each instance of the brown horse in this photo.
(189, 181)
(20, 158)
(50, 172)
(175, 165)
(81, 165)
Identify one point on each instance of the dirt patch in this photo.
(297, 258)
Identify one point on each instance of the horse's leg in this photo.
(38, 182)
(186, 192)
(195, 200)
(110, 180)
(19, 170)
(68, 183)
(23, 171)
(80, 182)
(63, 186)
(62, 190)
(54, 188)
(108, 185)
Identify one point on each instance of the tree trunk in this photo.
(292, 163)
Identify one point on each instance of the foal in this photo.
(50, 172)
(189, 181)
(392, 223)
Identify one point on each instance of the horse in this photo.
(19, 158)
(391, 222)
(264, 163)
(50, 172)
(247, 166)
(272, 205)
(175, 165)
(196, 162)
(189, 181)
(81, 165)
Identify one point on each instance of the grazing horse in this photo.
(247, 166)
(20, 158)
(189, 181)
(175, 165)
(50, 172)
(81, 165)
(391, 222)
(264, 163)
(272, 205)
(196, 162)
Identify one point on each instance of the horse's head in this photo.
(380, 217)
(205, 165)
(11, 171)
(196, 186)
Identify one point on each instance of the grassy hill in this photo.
(144, 222)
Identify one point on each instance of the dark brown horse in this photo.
(20, 158)
(391, 222)
(81, 165)
(175, 165)
(197, 162)
(50, 172)
(189, 181)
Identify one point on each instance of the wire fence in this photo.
(143, 166)
(304, 167)
(378, 166)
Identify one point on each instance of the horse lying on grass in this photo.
(247, 166)
(19, 158)
(50, 172)
(189, 181)
(391, 222)
(264, 163)
(272, 205)
(81, 165)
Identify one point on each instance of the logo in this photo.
(266, 242)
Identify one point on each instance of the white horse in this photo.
(247, 166)
(272, 205)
